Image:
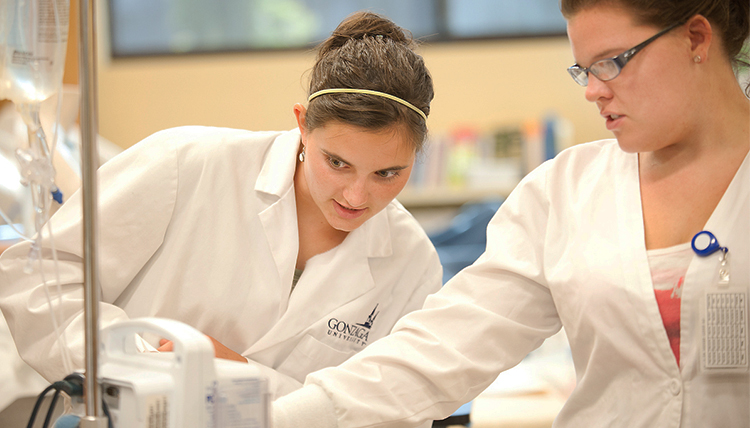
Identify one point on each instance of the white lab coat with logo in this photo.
(565, 249)
(199, 225)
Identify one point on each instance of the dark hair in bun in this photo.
(369, 51)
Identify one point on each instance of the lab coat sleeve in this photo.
(137, 192)
(279, 384)
(485, 320)
(431, 282)
(309, 407)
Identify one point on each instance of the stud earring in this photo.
(302, 154)
(697, 59)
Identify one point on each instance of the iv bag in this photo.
(33, 39)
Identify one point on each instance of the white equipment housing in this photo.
(187, 388)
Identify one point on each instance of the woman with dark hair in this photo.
(288, 249)
(638, 246)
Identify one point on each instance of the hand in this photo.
(220, 351)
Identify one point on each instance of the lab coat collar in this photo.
(731, 204)
(375, 235)
(279, 218)
(277, 174)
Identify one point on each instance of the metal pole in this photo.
(89, 165)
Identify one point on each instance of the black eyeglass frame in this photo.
(578, 73)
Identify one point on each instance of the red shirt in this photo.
(668, 269)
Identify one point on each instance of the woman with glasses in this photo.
(638, 246)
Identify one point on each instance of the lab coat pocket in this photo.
(311, 355)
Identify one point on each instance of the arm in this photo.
(430, 283)
(134, 214)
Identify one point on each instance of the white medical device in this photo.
(187, 388)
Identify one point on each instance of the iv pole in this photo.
(89, 164)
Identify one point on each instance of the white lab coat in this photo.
(199, 225)
(565, 249)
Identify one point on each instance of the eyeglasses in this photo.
(609, 68)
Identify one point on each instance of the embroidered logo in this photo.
(357, 332)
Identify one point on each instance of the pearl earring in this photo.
(697, 59)
(302, 154)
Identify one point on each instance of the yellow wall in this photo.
(484, 84)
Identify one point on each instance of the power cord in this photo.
(71, 385)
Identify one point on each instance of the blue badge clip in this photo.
(705, 243)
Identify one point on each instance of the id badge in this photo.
(724, 324)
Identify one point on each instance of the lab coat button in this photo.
(675, 387)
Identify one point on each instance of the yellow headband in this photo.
(369, 92)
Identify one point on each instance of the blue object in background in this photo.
(465, 238)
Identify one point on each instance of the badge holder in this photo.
(723, 315)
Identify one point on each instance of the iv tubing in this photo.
(67, 361)
(58, 107)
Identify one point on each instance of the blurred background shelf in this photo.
(450, 197)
